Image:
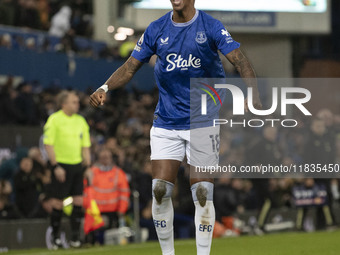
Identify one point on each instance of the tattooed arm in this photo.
(119, 78)
(247, 73)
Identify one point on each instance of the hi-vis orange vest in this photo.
(111, 190)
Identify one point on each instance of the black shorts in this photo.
(72, 186)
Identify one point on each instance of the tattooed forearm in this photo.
(133, 65)
(124, 73)
(247, 73)
(243, 66)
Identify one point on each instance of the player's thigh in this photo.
(167, 153)
(203, 145)
(165, 169)
(166, 144)
(202, 150)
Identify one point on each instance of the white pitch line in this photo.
(98, 249)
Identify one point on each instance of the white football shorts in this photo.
(200, 145)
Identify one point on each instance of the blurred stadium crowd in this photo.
(19, 39)
(38, 14)
(123, 126)
(54, 26)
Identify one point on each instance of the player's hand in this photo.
(98, 98)
(60, 174)
(256, 102)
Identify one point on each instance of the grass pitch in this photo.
(319, 243)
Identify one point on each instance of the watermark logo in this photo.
(204, 97)
(265, 128)
(287, 97)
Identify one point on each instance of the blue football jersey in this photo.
(184, 51)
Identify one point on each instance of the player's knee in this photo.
(161, 189)
(202, 192)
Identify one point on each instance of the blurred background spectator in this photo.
(7, 208)
(7, 12)
(27, 14)
(61, 22)
(27, 188)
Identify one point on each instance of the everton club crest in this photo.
(201, 37)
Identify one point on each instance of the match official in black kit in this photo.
(67, 142)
